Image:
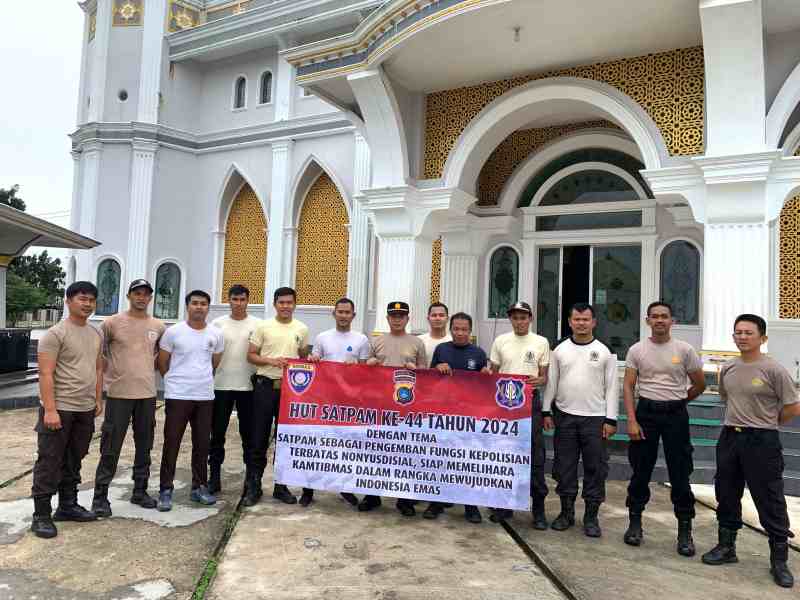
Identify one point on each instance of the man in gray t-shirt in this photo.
(760, 395)
(663, 369)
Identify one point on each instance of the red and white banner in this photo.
(385, 431)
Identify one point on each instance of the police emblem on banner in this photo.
(510, 393)
(404, 381)
(300, 377)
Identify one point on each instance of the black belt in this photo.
(751, 430)
(663, 406)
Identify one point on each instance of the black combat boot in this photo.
(591, 522)
(539, 517)
(282, 493)
(566, 518)
(214, 478)
(685, 545)
(252, 489)
(635, 535)
(69, 509)
(42, 525)
(724, 551)
(140, 495)
(778, 555)
(100, 504)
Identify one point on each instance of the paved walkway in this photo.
(331, 551)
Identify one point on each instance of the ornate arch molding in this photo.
(522, 105)
(781, 111)
(308, 174)
(233, 181)
(556, 177)
(522, 175)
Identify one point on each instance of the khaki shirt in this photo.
(274, 339)
(520, 354)
(755, 392)
(662, 369)
(397, 350)
(75, 349)
(130, 348)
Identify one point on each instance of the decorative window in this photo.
(108, 279)
(503, 281)
(597, 220)
(265, 93)
(680, 281)
(589, 187)
(240, 93)
(168, 291)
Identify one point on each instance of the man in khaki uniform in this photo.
(396, 349)
(131, 345)
(71, 392)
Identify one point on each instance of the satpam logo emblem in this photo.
(404, 381)
(300, 377)
(510, 393)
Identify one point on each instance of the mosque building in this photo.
(476, 152)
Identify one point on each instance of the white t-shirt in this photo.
(234, 371)
(336, 346)
(582, 380)
(432, 342)
(191, 375)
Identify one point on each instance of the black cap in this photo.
(521, 306)
(137, 283)
(398, 307)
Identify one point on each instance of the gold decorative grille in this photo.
(127, 13)
(322, 245)
(245, 246)
(182, 16)
(668, 85)
(92, 25)
(436, 271)
(789, 263)
(513, 150)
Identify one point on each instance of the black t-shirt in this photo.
(465, 358)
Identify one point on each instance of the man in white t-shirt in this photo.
(188, 354)
(581, 401)
(438, 315)
(232, 384)
(341, 345)
(521, 352)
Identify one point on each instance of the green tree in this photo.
(9, 197)
(42, 272)
(22, 297)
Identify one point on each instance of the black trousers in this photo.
(668, 421)
(580, 438)
(118, 415)
(755, 457)
(60, 452)
(266, 404)
(179, 414)
(224, 402)
(538, 482)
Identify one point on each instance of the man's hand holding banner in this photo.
(463, 438)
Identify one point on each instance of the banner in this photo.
(418, 434)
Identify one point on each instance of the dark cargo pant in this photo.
(538, 482)
(580, 438)
(119, 413)
(60, 452)
(224, 402)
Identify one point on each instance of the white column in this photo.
(75, 208)
(289, 254)
(735, 80)
(460, 283)
(142, 169)
(219, 258)
(278, 202)
(649, 285)
(404, 273)
(3, 270)
(735, 278)
(285, 90)
(99, 61)
(528, 272)
(358, 264)
(81, 109)
(152, 47)
(90, 187)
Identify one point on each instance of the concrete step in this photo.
(790, 438)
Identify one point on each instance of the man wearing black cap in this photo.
(396, 349)
(130, 347)
(521, 352)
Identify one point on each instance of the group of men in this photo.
(237, 361)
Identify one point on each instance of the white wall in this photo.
(181, 95)
(782, 52)
(123, 72)
(113, 201)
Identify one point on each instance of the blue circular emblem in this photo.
(300, 378)
(349, 348)
(404, 394)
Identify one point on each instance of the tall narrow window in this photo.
(265, 94)
(240, 93)
(680, 281)
(503, 281)
(168, 291)
(108, 278)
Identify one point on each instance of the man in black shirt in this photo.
(460, 354)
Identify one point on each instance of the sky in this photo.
(40, 55)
